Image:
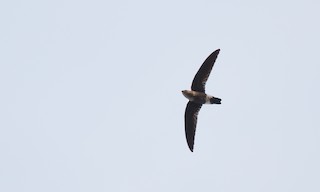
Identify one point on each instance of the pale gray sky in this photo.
(91, 96)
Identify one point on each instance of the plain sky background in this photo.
(91, 96)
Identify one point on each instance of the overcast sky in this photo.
(91, 96)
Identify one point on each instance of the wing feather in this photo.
(190, 118)
(200, 79)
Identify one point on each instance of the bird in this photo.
(197, 97)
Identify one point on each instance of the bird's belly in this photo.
(197, 97)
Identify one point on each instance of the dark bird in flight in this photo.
(197, 97)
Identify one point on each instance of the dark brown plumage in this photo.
(197, 97)
(190, 120)
(200, 79)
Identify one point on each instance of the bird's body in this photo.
(200, 97)
(197, 97)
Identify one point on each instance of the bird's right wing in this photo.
(200, 79)
(190, 120)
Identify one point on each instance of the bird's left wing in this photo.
(190, 120)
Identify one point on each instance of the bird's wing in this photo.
(190, 120)
(200, 79)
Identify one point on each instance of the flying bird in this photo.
(197, 97)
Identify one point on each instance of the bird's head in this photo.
(186, 93)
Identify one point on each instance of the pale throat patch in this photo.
(188, 96)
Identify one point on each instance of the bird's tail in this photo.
(215, 100)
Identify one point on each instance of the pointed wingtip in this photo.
(191, 148)
(218, 50)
